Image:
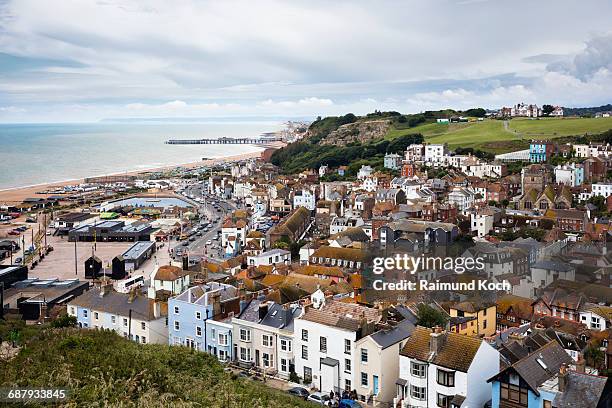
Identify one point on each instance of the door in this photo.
(257, 358)
(375, 385)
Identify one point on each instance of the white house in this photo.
(305, 198)
(601, 189)
(439, 368)
(170, 278)
(462, 198)
(325, 344)
(271, 257)
(263, 337)
(364, 171)
(596, 317)
(132, 316)
(434, 153)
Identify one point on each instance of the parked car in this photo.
(319, 398)
(349, 403)
(299, 392)
(18, 261)
(185, 243)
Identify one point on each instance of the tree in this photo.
(64, 321)
(427, 316)
(547, 110)
(476, 112)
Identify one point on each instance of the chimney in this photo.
(156, 309)
(263, 310)
(437, 339)
(563, 378)
(131, 296)
(580, 364)
(105, 288)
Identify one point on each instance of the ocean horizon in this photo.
(33, 154)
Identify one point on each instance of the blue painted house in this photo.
(540, 151)
(200, 318)
(543, 379)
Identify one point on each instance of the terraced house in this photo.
(263, 337)
(200, 318)
(442, 369)
(132, 316)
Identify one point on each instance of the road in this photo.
(213, 211)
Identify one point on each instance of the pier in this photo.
(226, 140)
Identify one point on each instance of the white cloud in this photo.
(270, 57)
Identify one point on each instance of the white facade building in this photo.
(435, 367)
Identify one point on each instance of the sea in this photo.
(32, 154)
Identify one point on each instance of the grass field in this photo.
(499, 136)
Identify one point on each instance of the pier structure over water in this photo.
(227, 140)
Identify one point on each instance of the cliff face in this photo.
(362, 131)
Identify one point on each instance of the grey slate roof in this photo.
(583, 391)
(386, 338)
(529, 368)
(554, 266)
(116, 303)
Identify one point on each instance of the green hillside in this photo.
(103, 369)
(498, 136)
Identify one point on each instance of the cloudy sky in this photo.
(85, 60)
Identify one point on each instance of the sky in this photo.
(85, 60)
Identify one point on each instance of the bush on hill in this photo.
(103, 369)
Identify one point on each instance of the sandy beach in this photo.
(18, 194)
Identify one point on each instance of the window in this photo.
(304, 335)
(284, 367)
(268, 360)
(446, 378)
(144, 339)
(546, 404)
(125, 322)
(222, 339)
(96, 315)
(198, 331)
(245, 335)
(113, 319)
(513, 393)
(347, 346)
(176, 310)
(198, 315)
(417, 392)
(364, 379)
(323, 344)
(266, 340)
(347, 365)
(364, 356)
(417, 370)
(84, 313)
(444, 400)
(72, 310)
(177, 326)
(222, 355)
(307, 375)
(245, 354)
(305, 352)
(347, 385)
(285, 345)
(143, 325)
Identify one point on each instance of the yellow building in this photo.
(473, 318)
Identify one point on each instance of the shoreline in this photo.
(18, 194)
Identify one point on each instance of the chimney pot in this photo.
(562, 378)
